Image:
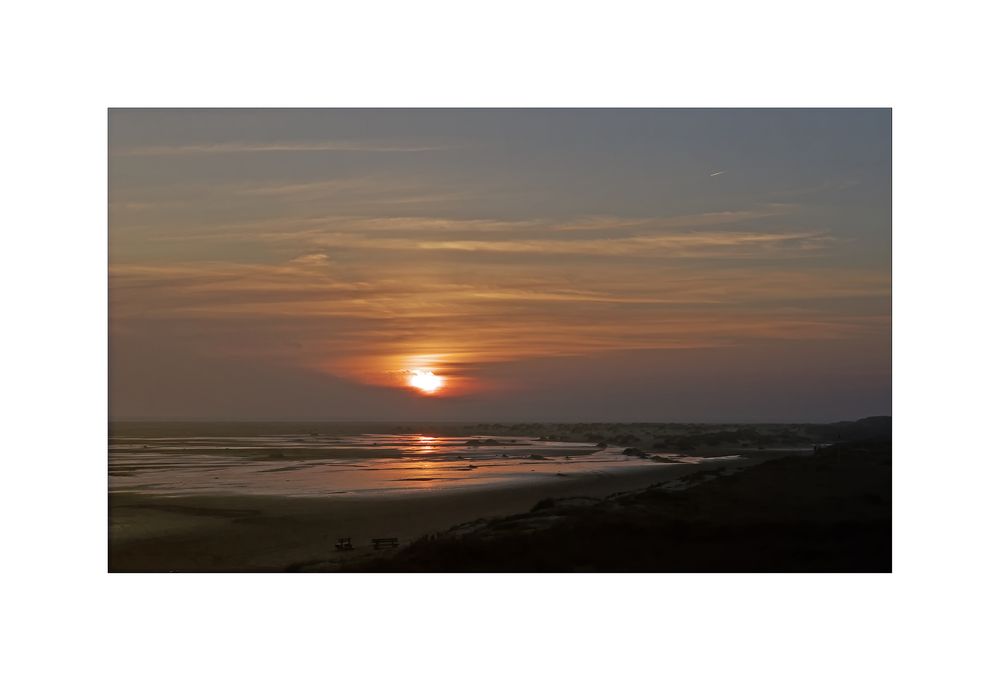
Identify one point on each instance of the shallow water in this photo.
(372, 463)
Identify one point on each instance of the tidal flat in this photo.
(277, 497)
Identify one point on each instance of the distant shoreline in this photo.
(479, 422)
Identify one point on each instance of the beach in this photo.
(278, 497)
(266, 500)
(228, 532)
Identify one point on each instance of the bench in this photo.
(344, 544)
(383, 542)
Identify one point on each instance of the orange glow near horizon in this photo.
(425, 381)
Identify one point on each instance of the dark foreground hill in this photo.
(828, 512)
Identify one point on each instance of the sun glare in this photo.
(425, 381)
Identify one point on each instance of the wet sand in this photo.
(307, 465)
(239, 533)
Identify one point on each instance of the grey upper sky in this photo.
(639, 264)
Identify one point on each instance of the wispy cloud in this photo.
(311, 259)
(703, 244)
(605, 234)
(363, 320)
(257, 148)
(361, 292)
(372, 190)
(691, 220)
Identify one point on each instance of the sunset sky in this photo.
(609, 265)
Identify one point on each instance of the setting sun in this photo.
(425, 381)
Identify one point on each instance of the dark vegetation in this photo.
(825, 512)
